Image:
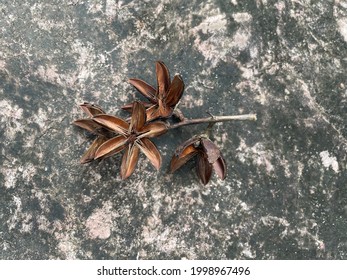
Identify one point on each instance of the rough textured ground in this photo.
(285, 196)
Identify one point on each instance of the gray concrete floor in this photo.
(285, 194)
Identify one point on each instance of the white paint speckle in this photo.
(342, 3)
(43, 223)
(212, 24)
(2, 64)
(244, 206)
(12, 222)
(242, 17)
(86, 54)
(257, 153)
(329, 161)
(280, 6)
(241, 39)
(271, 220)
(342, 27)
(11, 115)
(10, 177)
(247, 251)
(218, 46)
(68, 248)
(99, 223)
(112, 8)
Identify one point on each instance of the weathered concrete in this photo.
(285, 195)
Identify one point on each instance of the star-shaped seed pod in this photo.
(208, 157)
(162, 100)
(102, 134)
(133, 137)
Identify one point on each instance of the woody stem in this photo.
(214, 119)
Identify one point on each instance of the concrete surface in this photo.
(285, 195)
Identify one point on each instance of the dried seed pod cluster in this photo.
(208, 157)
(132, 136)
